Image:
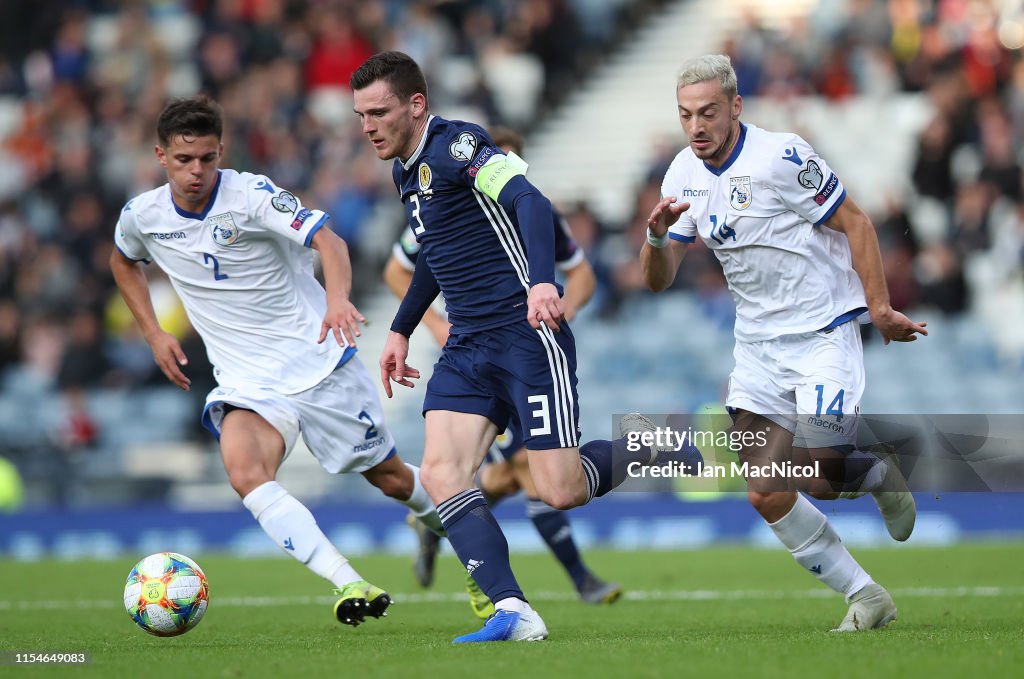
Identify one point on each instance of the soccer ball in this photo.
(166, 594)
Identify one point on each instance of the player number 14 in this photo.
(725, 231)
(835, 407)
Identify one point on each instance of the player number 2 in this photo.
(217, 275)
(542, 413)
(419, 228)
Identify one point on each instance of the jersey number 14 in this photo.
(724, 232)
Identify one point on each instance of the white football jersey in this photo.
(762, 214)
(244, 272)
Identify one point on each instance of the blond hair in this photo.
(709, 67)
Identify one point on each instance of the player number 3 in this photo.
(542, 413)
(419, 228)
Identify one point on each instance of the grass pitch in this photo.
(716, 612)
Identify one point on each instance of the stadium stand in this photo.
(919, 105)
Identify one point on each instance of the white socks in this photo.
(293, 528)
(809, 537)
(872, 480)
(420, 503)
(512, 604)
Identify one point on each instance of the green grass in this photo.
(722, 612)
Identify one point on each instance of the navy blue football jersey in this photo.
(567, 251)
(474, 247)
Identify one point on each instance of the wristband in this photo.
(657, 241)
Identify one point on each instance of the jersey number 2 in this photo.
(217, 275)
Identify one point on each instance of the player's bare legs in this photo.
(559, 477)
(252, 451)
(554, 528)
(501, 479)
(401, 481)
(392, 477)
(454, 449)
(806, 532)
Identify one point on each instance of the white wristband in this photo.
(657, 241)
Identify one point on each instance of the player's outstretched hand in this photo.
(342, 318)
(545, 306)
(392, 363)
(895, 327)
(168, 355)
(664, 215)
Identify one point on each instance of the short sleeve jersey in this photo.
(475, 249)
(761, 213)
(244, 272)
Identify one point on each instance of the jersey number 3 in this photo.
(419, 228)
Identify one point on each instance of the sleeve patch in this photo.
(300, 218)
(463, 147)
(285, 202)
(810, 177)
(826, 192)
(480, 161)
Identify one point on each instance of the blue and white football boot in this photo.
(506, 625)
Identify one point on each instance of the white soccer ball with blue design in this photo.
(166, 594)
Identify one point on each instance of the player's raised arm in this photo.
(867, 262)
(134, 287)
(342, 317)
(661, 255)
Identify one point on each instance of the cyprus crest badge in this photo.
(739, 193)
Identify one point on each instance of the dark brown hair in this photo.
(196, 116)
(397, 69)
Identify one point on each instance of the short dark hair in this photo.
(196, 116)
(400, 71)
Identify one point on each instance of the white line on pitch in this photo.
(453, 597)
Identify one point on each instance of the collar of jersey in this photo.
(717, 171)
(209, 204)
(423, 142)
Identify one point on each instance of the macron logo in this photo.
(816, 569)
(473, 565)
(290, 547)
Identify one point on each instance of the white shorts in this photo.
(340, 419)
(811, 384)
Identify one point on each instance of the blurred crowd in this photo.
(82, 81)
(955, 241)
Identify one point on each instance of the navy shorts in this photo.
(512, 370)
